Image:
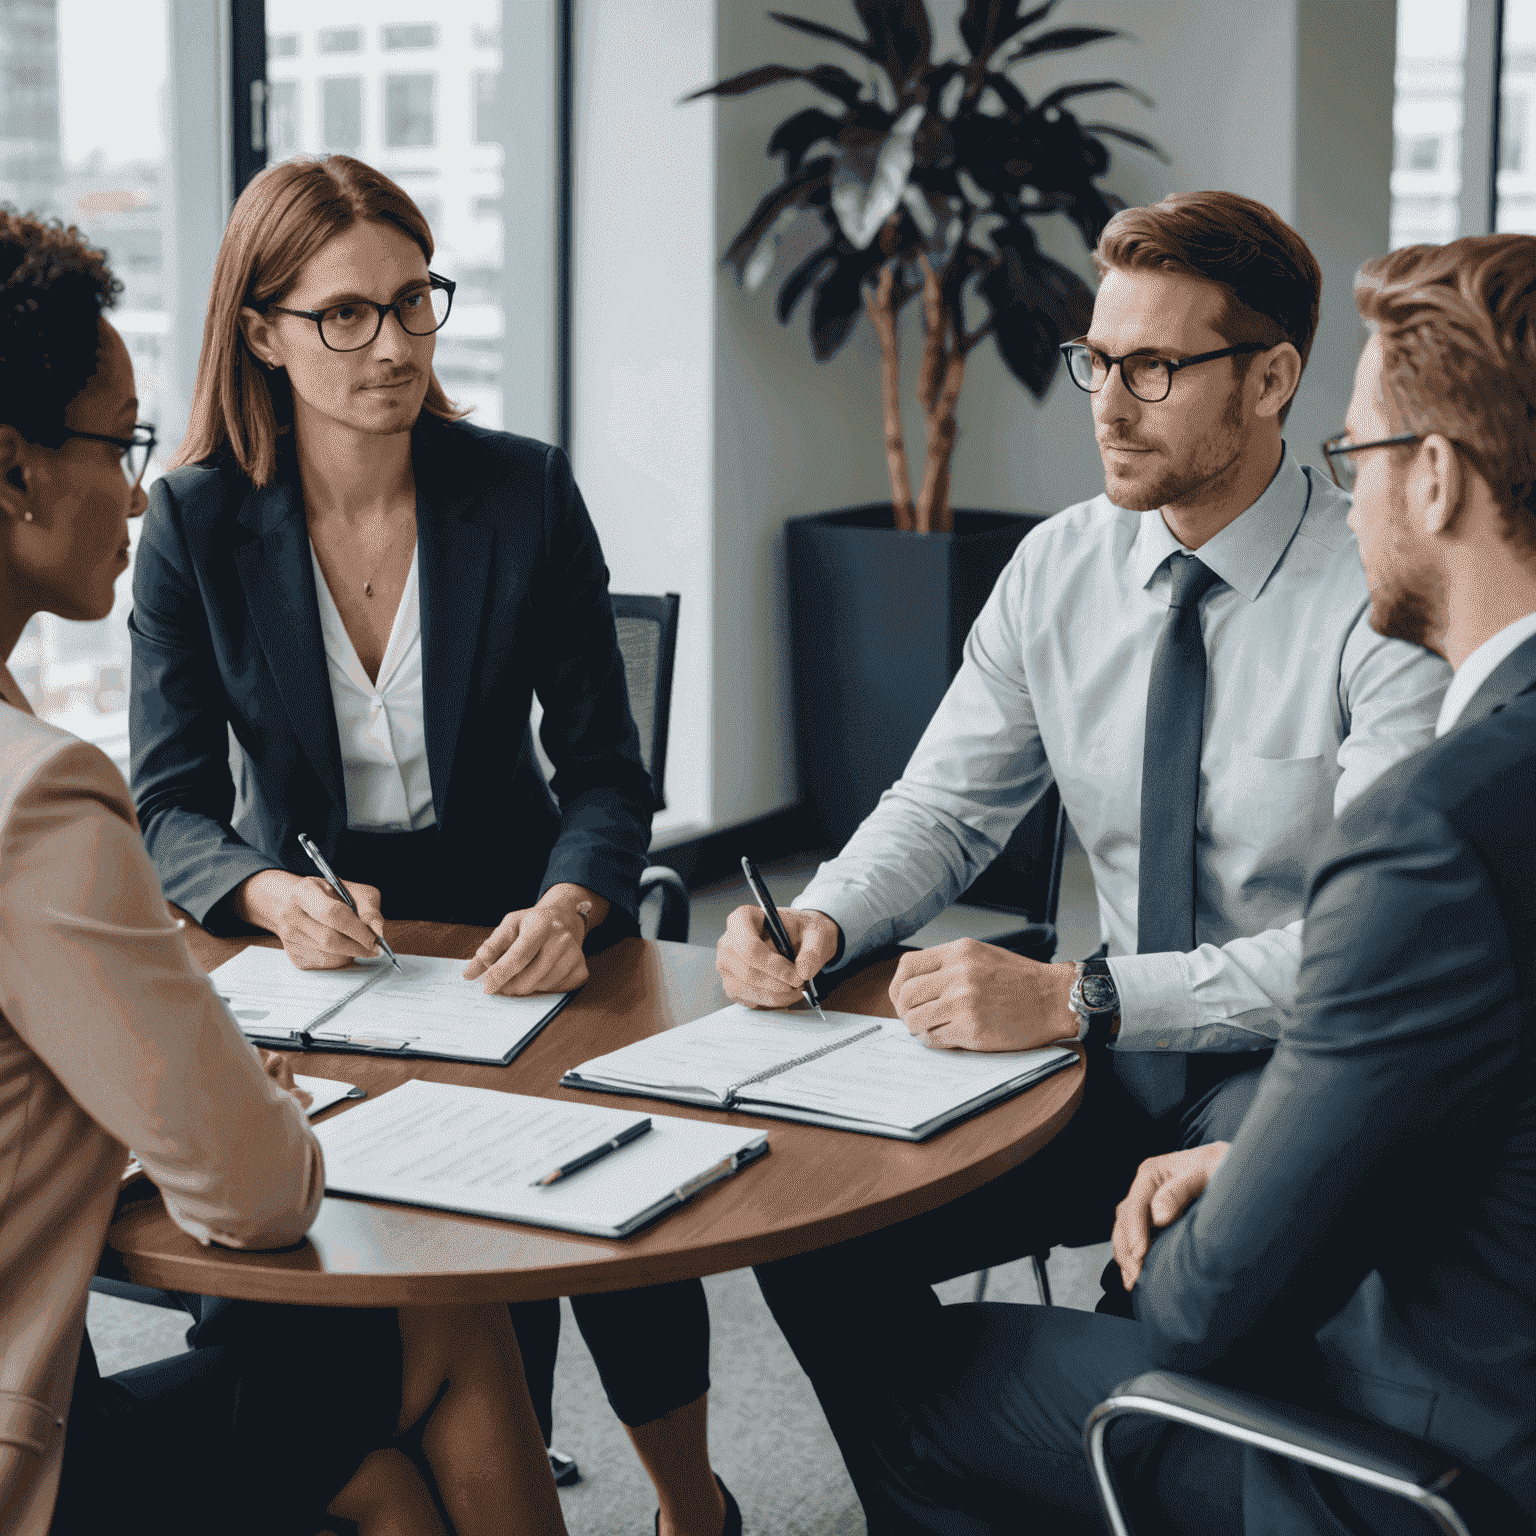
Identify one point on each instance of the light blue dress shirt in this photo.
(1305, 706)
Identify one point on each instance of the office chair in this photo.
(647, 629)
(1026, 878)
(1353, 1449)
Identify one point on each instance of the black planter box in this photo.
(878, 622)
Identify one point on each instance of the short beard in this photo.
(1414, 614)
(399, 427)
(1214, 458)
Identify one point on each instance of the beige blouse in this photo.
(110, 1037)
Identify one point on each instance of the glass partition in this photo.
(412, 88)
(1427, 121)
(1516, 209)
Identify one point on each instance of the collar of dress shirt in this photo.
(11, 692)
(1479, 667)
(1248, 549)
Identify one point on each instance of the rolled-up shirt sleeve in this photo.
(99, 983)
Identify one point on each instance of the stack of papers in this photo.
(481, 1152)
(854, 1072)
(429, 1010)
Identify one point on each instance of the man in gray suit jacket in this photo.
(1367, 1242)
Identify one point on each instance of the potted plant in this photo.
(927, 181)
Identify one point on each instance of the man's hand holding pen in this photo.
(755, 973)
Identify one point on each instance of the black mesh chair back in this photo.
(647, 629)
(1026, 878)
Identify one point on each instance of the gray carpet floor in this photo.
(768, 1439)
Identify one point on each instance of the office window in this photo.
(283, 119)
(487, 84)
(1515, 212)
(410, 111)
(341, 110)
(341, 40)
(420, 35)
(81, 140)
(283, 45)
(437, 132)
(1426, 121)
(1419, 152)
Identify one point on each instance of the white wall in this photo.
(701, 423)
(645, 248)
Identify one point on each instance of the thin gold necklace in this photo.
(389, 544)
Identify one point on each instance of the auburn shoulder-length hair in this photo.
(283, 217)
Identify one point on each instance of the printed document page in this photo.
(702, 1060)
(271, 997)
(433, 1010)
(892, 1078)
(424, 1008)
(480, 1151)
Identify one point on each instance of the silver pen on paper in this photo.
(318, 860)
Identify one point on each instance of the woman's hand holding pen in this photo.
(539, 949)
(755, 973)
(318, 931)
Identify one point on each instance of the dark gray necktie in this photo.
(1170, 797)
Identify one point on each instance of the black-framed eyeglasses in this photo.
(137, 450)
(352, 326)
(1146, 375)
(1338, 448)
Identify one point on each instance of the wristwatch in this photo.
(1095, 1001)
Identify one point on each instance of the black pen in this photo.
(316, 858)
(776, 929)
(597, 1154)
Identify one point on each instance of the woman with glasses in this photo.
(365, 593)
(111, 1037)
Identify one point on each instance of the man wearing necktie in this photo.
(1189, 657)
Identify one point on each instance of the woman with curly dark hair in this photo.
(111, 1037)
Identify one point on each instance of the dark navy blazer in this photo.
(1374, 1224)
(514, 601)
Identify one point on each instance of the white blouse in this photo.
(381, 725)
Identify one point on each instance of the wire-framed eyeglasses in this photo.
(1146, 375)
(351, 326)
(136, 450)
(1338, 448)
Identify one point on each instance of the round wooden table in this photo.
(816, 1187)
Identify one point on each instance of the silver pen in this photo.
(318, 860)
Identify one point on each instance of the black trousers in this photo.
(651, 1345)
(251, 1436)
(862, 1317)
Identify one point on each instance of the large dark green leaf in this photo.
(985, 25)
(836, 310)
(1036, 305)
(802, 278)
(796, 134)
(901, 39)
(1063, 38)
(826, 77)
(1066, 92)
(1129, 138)
(794, 192)
(831, 34)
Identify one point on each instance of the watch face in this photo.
(1098, 993)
